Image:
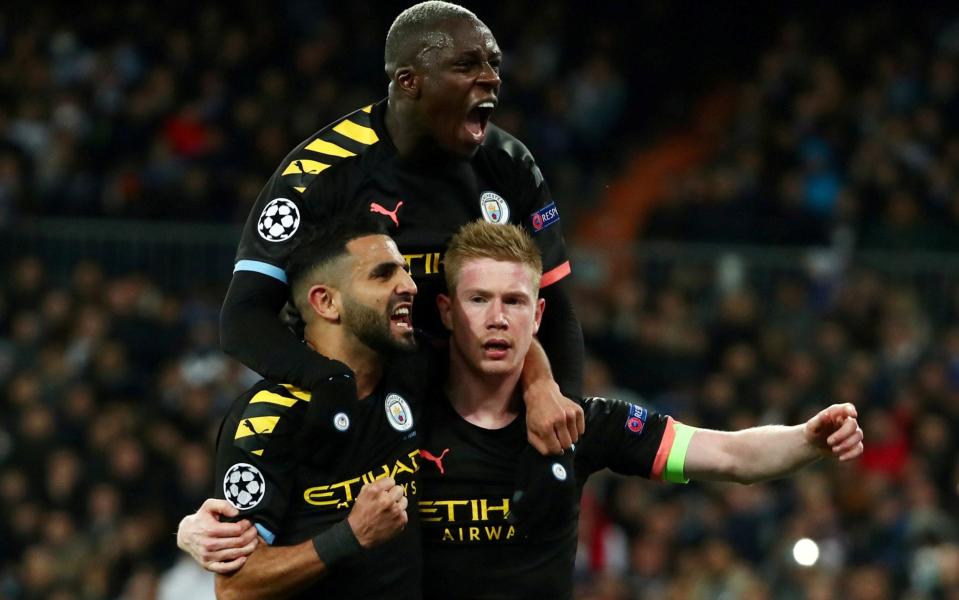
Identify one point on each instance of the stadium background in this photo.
(762, 203)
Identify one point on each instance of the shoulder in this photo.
(265, 418)
(349, 136)
(503, 147)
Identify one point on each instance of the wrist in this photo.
(336, 544)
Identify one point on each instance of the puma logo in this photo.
(436, 459)
(376, 207)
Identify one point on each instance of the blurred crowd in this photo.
(136, 111)
(113, 390)
(846, 133)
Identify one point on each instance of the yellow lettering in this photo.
(437, 262)
(510, 532)
(474, 534)
(409, 259)
(485, 508)
(450, 507)
(414, 487)
(474, 505)
(400, 467)
(447, 536)
(316, 496)
(426, 508)
(413, 456)
(493, 533)
(347, 487)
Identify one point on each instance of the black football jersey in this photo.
(469, 475)
(293, 462)
(352, 165)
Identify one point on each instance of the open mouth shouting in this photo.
(401, 319)
(477, 119)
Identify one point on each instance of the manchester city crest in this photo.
(494, 208)
(398, 413)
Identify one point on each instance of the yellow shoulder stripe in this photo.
(367, 108)
(259, 425)
(305, 166)
(357, 133)
(299, 393)
(324, 147)
(267, 396)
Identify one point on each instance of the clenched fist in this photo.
(835, 430)
(379, 512)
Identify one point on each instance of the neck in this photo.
(413, 144)
(335, 343)
(490, 401)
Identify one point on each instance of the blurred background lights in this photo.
(806, 552)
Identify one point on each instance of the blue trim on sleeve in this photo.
(262, 268)
(268, 536)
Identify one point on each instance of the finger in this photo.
(850, 410)
(855, 452)
(381, 485)
(233, 553)
(844, 431)
(403, 503)
(404, 518)
(851, 441)
(395, 493)
(580, 419)
(564, 439)
(572, 427)
(225, 530)
(538, 444)
(225, 567)
(212, 506)
(214, 544)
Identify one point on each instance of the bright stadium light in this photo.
(806, 552)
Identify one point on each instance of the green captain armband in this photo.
(676, 462)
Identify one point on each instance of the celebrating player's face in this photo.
(493, 315)
(378, 302)
(460, 86)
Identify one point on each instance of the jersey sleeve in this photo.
(541, 220)
(258, 454)
(630, 440)
(271, 229)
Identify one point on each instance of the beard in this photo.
(372, 328)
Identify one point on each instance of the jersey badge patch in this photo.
(376, 207)
(494, 208)
(398, 413)
(341, 421)
(545, 217)
(244, 486)
(279, 220)
(636, 419)
(559, 472)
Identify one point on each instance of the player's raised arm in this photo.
(768, 452)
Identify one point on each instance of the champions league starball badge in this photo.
(244, 486)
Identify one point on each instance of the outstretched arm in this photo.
(768, 452)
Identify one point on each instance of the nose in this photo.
(496, 318)
(405, 286)
(489, 77)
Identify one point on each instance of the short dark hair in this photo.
(323, 243)
(412, 29)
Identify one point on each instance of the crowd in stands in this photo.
(848, 129)
(113, 390)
